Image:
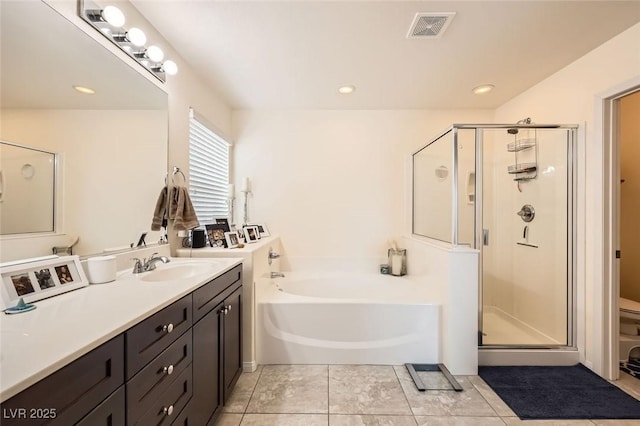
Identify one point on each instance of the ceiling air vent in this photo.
(430, 25)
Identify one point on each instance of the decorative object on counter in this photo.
(198, 238)
(251, 234)
(224, 221)
(231, 197)
(246, 190)
(262, 229)
(397, 260)
(385, 269)
(35, 280)
(216, 232)
(232, 239)
(101, 269)
(68, 249)
(110, 22)
(20, 307)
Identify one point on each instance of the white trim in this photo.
(606, 290)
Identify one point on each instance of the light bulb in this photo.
(137, 37)
(170, 67)
(113, 16)
(154, 53)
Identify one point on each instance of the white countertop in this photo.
(61, 329)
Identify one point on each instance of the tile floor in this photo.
(353, 395)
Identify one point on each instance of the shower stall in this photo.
(507, 190)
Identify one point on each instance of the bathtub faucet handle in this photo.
(272, 255)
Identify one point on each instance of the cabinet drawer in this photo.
(67, 395)
(167, 406)
(147, 339)
(146, 386)
(205, 298)
(185, 418)
(110, 413)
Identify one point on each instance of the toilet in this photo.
(629, 327)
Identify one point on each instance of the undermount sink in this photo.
(177, 271)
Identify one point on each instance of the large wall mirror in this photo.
(111, 146)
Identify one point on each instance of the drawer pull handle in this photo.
(168, 410)
(168, 328)
(168, 370)
(223, 310)
(229, 307)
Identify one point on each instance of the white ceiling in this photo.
(295, 54)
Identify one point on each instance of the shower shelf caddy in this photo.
(525, 150)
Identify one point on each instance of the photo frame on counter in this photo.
(251, 234)
(262, 228)
(215, 234)
(231, 239)
(223, 221)
(39, 280)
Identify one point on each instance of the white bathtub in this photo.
(346, 319)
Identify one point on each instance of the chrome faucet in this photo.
(277, 275)
(148, 264)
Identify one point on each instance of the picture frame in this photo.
(41, 279)
(262, 228)
(223, 221)
(215, 234)
(251, 234)
(231, 239)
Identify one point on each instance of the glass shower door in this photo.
(525, 221)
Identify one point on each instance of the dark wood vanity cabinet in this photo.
(217, 337)
(176, 367)
(69, 394)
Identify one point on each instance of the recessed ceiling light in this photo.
(85, 90)
(345, 90)
(484, 88)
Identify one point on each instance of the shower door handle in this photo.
(485, 237)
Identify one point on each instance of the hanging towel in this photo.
(160, 212)
(181, 210)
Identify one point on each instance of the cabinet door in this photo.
(207, 395)
(232, 335)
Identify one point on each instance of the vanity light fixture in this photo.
(109, 21)
(153, 53)
(84, 90)
(482, 89)
(345, 90)
(110, 14)
(134, 36)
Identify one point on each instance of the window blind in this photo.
(208, 171)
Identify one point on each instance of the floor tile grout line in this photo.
(253, 391)
(485, 399)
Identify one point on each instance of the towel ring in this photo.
(177, 170)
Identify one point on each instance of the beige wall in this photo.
(630, 196)
(570, 96)
(332, 183)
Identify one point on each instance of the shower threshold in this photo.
(413, 372)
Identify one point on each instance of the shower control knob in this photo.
(527, 213)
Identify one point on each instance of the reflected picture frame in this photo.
(40, 279)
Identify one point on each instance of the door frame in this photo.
(607, 291)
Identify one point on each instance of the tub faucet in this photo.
(150, 264)
(277, 275)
